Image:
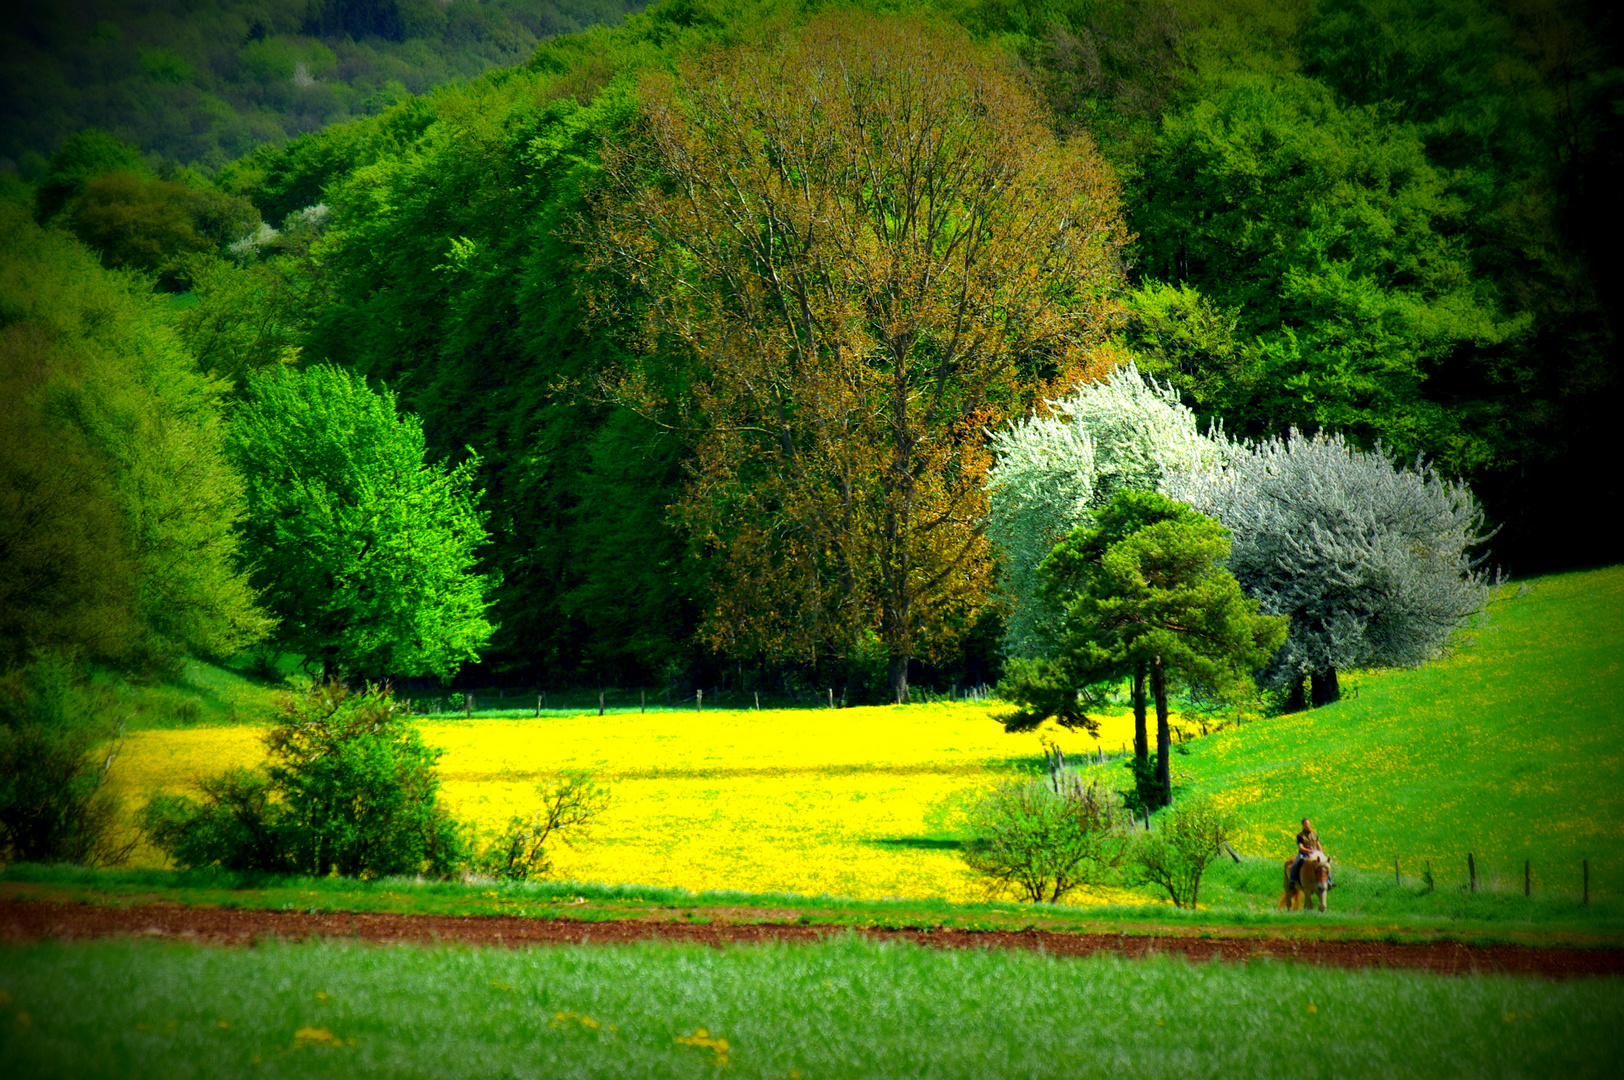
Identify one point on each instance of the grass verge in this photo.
(842, 1008)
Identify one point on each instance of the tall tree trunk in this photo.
(1295, 701)
(1325, 688)
(1141, 743)
(1158, 687)
(899, 679)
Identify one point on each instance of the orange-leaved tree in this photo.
(869, 247)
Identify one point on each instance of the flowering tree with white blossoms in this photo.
(1373, 562)
(1124, 432)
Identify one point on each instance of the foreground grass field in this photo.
(845, 1008)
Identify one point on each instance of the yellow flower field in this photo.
(805, 801)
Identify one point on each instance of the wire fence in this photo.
(507, 702)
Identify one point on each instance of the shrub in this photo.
(1176, 856)
(233, 828)
(1044, 839)
(54, 804)
(519, 853)
(349, 788)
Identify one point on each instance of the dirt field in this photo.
(23, 921)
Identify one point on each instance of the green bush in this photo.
(1177, 854)
(348, 788)
(1045, 838)
(54, 804)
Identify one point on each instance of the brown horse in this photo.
(1313, 877)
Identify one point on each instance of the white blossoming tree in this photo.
(1052, 470)
(1373, 562)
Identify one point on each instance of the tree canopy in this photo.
(1145, 591)
(870, 244)
(364, 549)
(1374, 217)
(117, 503)
(1376, 565)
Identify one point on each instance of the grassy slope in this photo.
(840, 1008)
(1509, 749)
(198, 695)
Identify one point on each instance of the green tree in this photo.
(364, 549)
(1145, 594)
(118, 538)
(1339, 247)
(84, 155)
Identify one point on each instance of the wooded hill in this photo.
(204, 83)
(1384, 219)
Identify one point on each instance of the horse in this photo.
(1314, 876)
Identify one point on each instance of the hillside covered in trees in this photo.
(203, 83)
(1378, 219)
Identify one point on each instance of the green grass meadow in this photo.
(1510, 749)
(842, 1008)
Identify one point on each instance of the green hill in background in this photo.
(203, 83)
(1510, 749)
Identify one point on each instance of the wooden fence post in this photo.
(831, 697)
(642, 701)
(600, 701)
(699, 701)
(539, 699)
(1396, 880)
(758, 701)
(1528, 877)
(1471, 871)
(468, 707)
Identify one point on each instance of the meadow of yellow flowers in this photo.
(839, 801)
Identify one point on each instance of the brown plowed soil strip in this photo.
(23, 921)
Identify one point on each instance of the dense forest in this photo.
(1385, 220)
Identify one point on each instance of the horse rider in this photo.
(1307, 844)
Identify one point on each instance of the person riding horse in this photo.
(1307, 844)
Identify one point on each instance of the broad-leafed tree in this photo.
(872, 247)
(1374, 563)
(364, 549)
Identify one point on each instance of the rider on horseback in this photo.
(1307, 844)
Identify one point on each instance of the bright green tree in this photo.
(1145, 594)
(363, 548)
